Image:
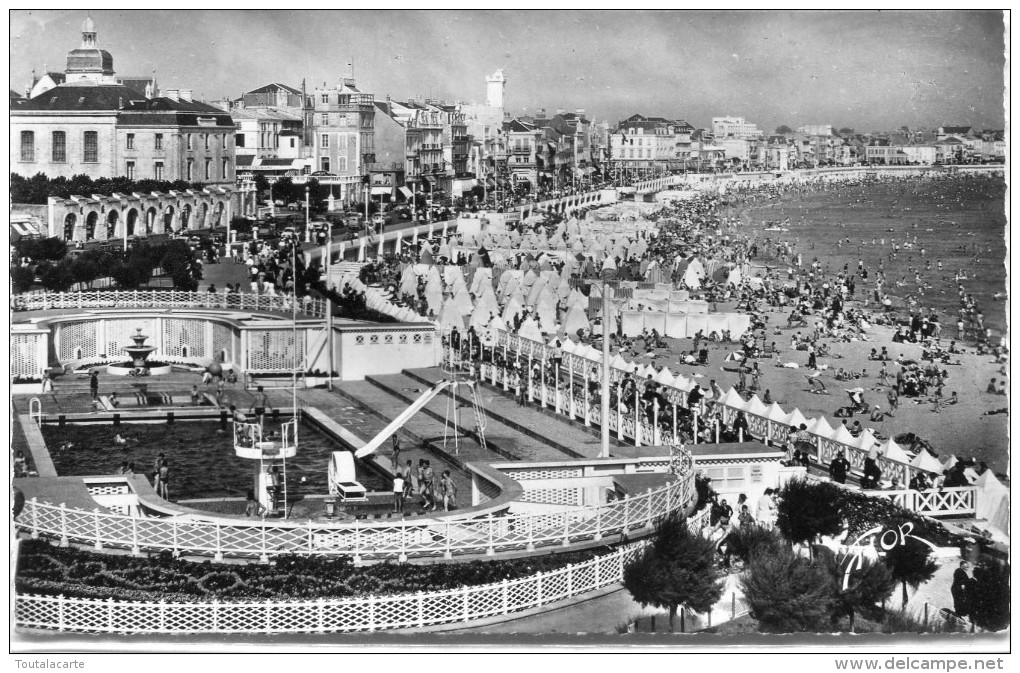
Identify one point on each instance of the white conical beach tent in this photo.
(821, 428)
(926, 462)
(576, 319)
(893, 451)
(530, 330)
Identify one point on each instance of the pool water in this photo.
(201, 457)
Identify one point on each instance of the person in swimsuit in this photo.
(260, 404)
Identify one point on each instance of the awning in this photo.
(450, 173)
(377, 191)
(406, 192)
(21, 228)
(489, 182)
(428, 180)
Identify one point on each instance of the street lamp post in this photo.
(308, 221)
(329, 306)
(608, 274)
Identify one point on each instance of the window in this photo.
(240, 140)
(341, 165)
(292, 142)
(28, 145)
(158, 172)
(59, 146)
(208, 168)
(131, 141)
(130, 172)
(325, 99)
(325, 120)
(324, 164)
(324, 142)
(191, 170)
(206, 140)
(159, 141)
(226, 169)
(91, 150)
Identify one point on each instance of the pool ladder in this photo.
(35, 410)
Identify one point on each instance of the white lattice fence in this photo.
(223, 342)
(324, 615)
(76, 340)
(553, 496)
(25, 355)
(183, 337)
(383, 539)
(164, 299)
(275, 350)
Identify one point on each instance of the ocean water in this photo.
(960, 222)
(201, 455)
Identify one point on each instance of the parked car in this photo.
(288, 232)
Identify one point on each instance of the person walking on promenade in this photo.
(94, 384)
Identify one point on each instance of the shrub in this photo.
(676, 570)
(808, 509)
(51, 570)
(746, 542)
(990, 596)
(786, 594)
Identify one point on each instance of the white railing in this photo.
(570, 386)
(360, 540)
(564, 203)
(368, 613)
(158, 299)
(940, 502)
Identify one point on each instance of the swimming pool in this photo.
(201, 456)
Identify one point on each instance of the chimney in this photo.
(186, 94)
(561, 111)
(173, 94)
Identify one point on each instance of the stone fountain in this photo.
(139, 364)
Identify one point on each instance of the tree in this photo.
(808, 509)
(990, 595)
(22, 277)
(746, 542)
(847, 131)
(910, 563)
(783, 129)
(868, 585)
(41, 248)
(676, 570)
(786, 594)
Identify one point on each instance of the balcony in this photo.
(521, 150)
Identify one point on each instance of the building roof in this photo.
(55, 77)
(84, 95)
(137, 83)
(171, 111)
(243, 160)
(273, 87)
(956, 129)
(266, 113)
(87, 59)
(15, 95)
(518, 126)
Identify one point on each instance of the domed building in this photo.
(88, 123)
(89, 62)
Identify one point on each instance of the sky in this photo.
(867, 70)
